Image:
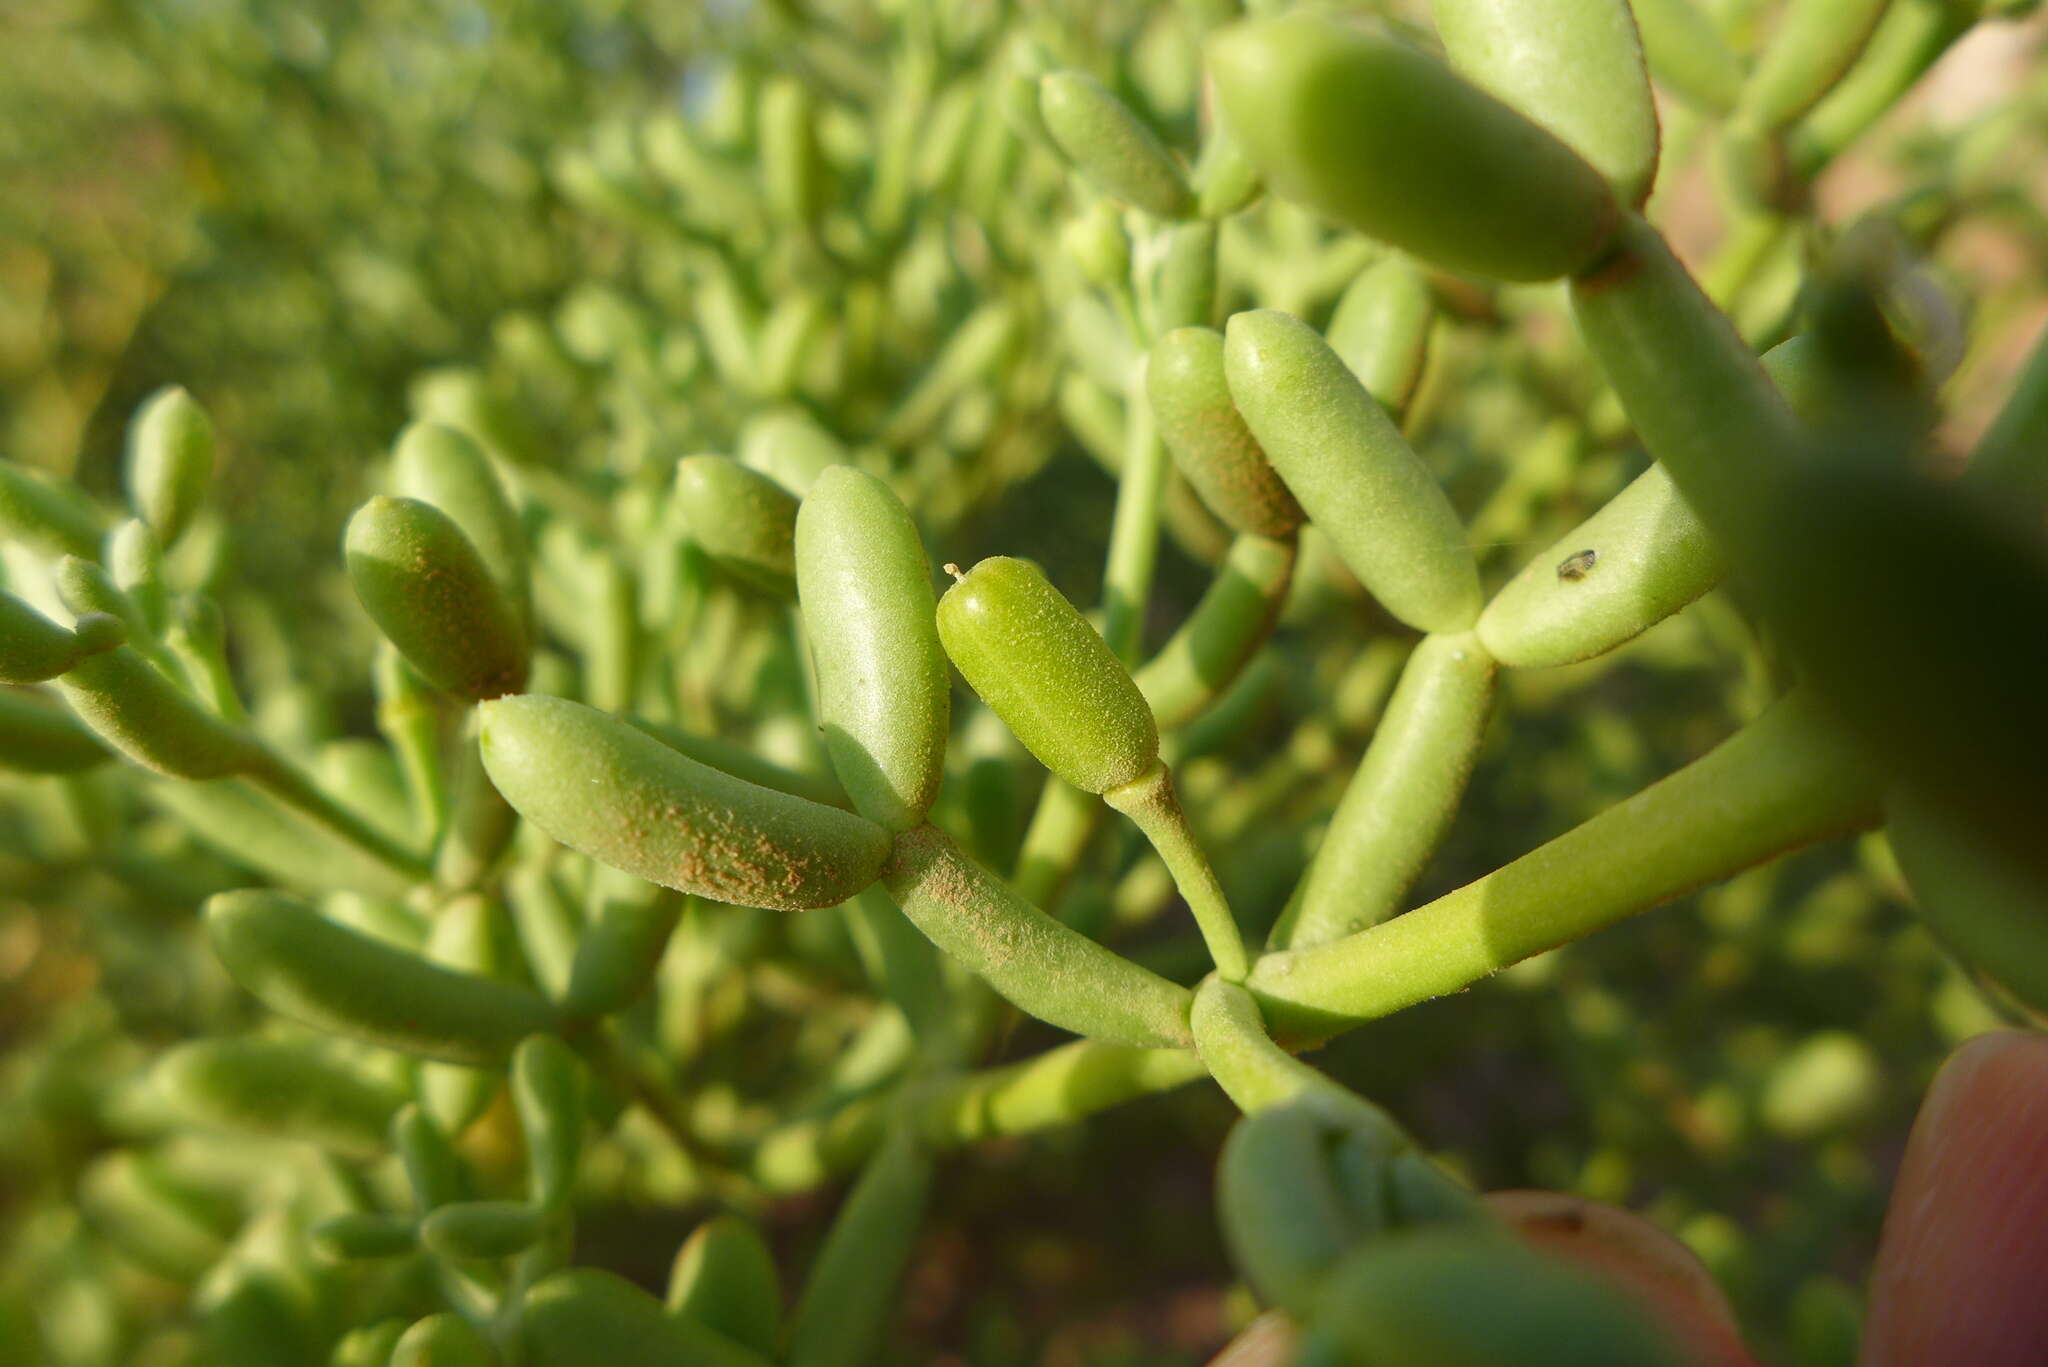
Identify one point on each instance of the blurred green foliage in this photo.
(546, 223)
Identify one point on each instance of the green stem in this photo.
(1153, 807)
(1782, 782)
(479, 821)
(1256, 1073)
(207, 669)
(1403, 798)
(637, 1073)
(1698, 396)
(903, 965)
(1058, 1087)
(290, 785)
(1043, 967)
(1233, 620)
(1134, 531)
(612, 643)
(1055, 840)
(1065, 817)
(416, 742)
(1740, 254)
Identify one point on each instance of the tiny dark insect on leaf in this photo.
(1576, 565)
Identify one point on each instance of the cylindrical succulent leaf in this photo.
(602, 786)
(279, 1089)
(1381, 328)
(1358, 479)
(1033, 658)
(1111, 146)
(1208, 438)
(170, 461)
(1574, 66)
(883, 696)
(443, 1340)
(325, 975)
(52, 517)
(39, 737)
(129, 703)
(1476, 1296)
(443, 466)
(483, 1229)
(724, 1278)
(586, 1317)
(745, 521)
(1383, 137)
(34, 648)
(430, 593)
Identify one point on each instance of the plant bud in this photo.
(434, 1171)
(170, 461)
(883, 696)
(369, 1346)
(1360, 482)
(1225, 179)
(599, 785)
(429, 592)
(1639, 559)
(1095, 241)
(1388, 140)
(620, 946)
(1111, 146)
(135, 560)
(745, 521)
(1208, 437)
(84, 588)
(1048, 674)
(1633, 563)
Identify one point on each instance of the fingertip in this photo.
(1962, 1267)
